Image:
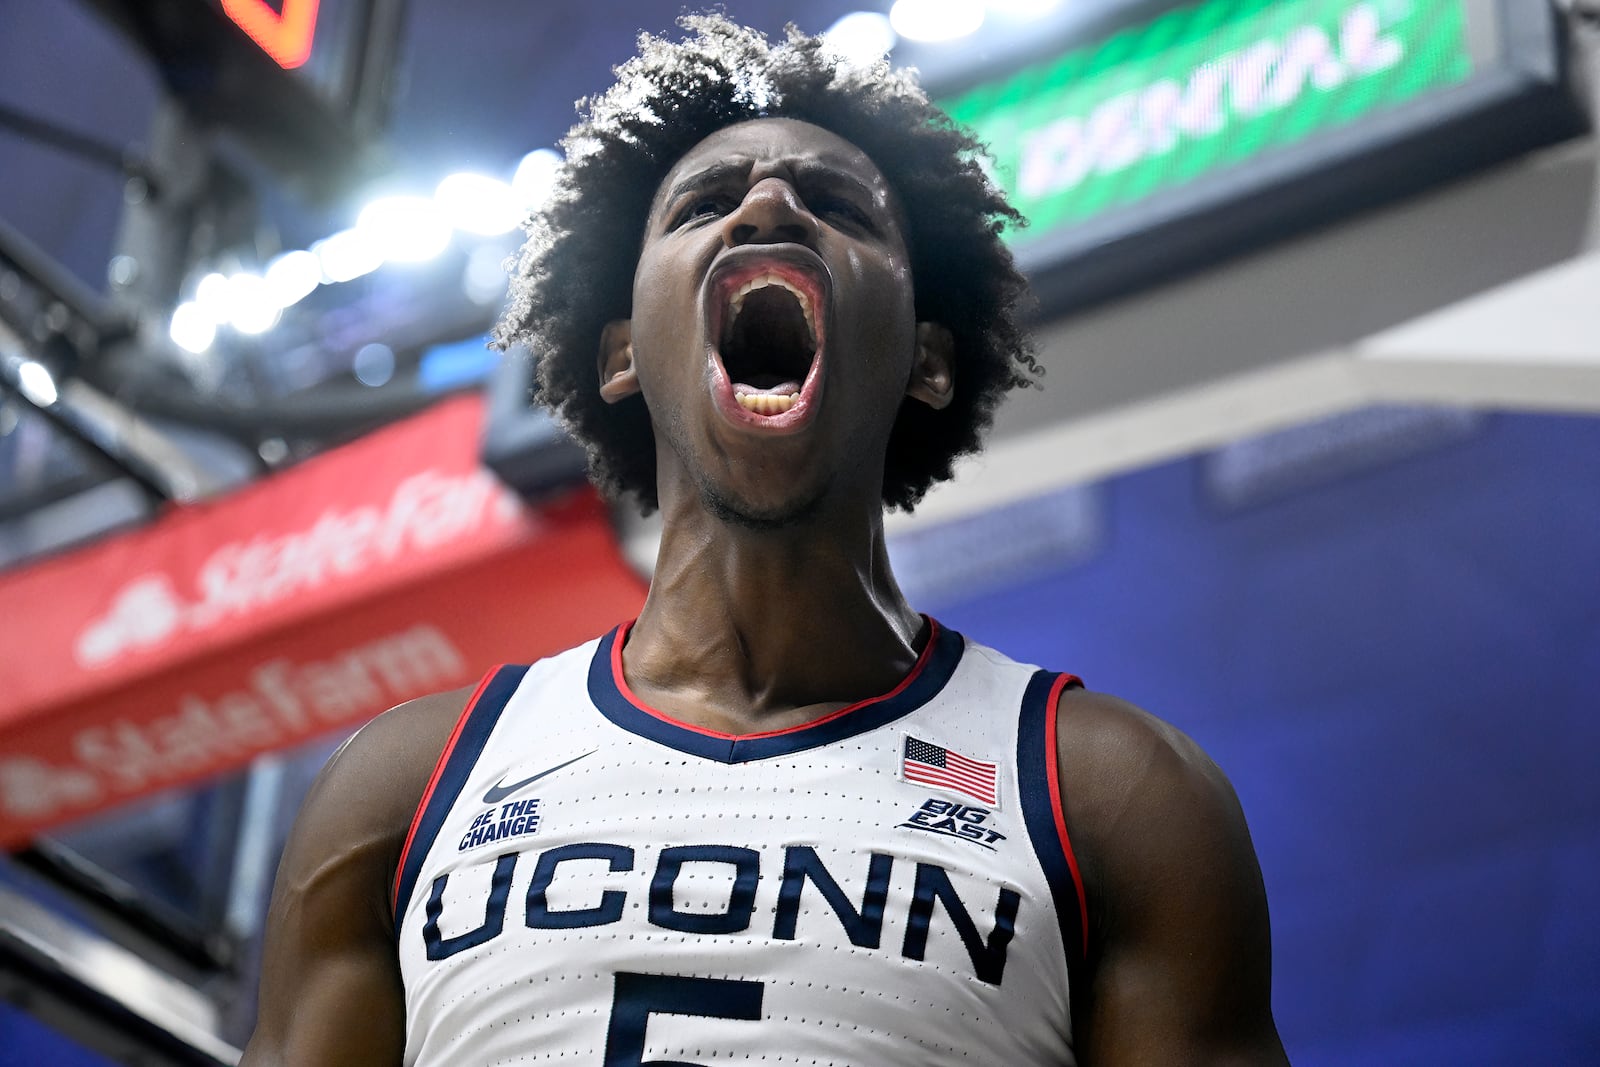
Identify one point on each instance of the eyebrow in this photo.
(718, 173)
(713, 175)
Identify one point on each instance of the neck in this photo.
(747, 629)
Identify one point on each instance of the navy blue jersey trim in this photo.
(458, 763)
(928, 678)
(1035, 765)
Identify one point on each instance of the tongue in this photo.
(783, 388)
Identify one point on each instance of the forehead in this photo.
(777, 140)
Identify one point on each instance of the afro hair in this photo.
(576, 269)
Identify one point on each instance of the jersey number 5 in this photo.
(638, 995)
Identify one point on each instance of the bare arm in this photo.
(1180, 955)
(330, 981)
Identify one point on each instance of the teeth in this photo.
(761, 281)
(768, 403)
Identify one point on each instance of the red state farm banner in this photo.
(377, 572)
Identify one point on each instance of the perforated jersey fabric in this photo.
(588, 881)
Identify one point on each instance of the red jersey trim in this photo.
(622, 687)
(1052, 760)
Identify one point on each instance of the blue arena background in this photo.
(1399, 672)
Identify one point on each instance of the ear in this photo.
(618, 380)
(933, 374)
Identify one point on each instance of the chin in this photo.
(737, 510)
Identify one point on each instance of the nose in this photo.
(770, 213)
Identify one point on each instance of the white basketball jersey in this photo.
(589, 881)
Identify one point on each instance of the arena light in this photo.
(1024, 8)
(483, 281)
(373, 365)
(535, 178)
(292, 277)
(347, 255)
(404, 229)
(478, 204)
(213, 297)
(861, 37)
(935, 20)
(192, 329)
(252, 309)
(35, 383)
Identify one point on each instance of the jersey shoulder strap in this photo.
(1039, 779)
(450, 773)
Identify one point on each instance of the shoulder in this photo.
(1121, 746)
(355, 817)
(1147, 809)
(328, 952)
(387, 763)
(1179, 960)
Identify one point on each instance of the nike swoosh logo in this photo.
(499, 791)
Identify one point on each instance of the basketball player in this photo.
(780, 818)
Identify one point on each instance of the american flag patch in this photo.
(934, 765)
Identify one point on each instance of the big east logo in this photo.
(965, 821)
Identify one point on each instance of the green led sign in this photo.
(1202, 91)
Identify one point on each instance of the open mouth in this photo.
(769, 342)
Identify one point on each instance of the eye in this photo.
(699, 207)
(840, 209)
